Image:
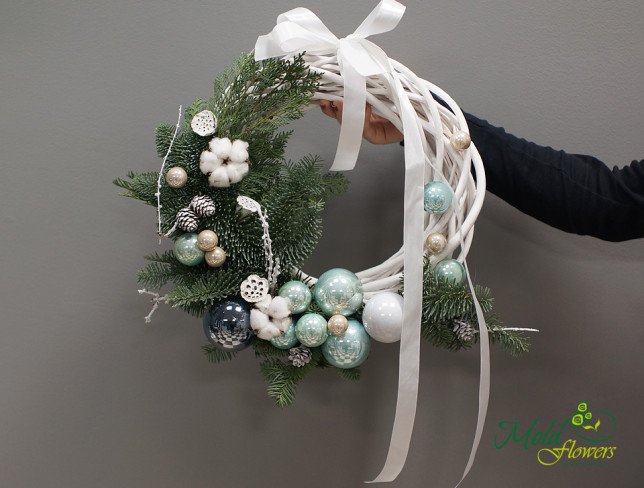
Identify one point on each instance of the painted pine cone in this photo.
(187, 220)
(463, 330)
(299, 356)
(203, 206)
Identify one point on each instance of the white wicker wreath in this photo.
(443, 161)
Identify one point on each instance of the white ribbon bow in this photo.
(301, 30)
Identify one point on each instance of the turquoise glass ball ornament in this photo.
(450, 270)
(437, 197)
(227, 325)
(286, 340)
(298, 294)
(338, 291)
(350, 349)
(311, 330)
(187, 251)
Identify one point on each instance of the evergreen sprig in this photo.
(444, 302)
(216, 355)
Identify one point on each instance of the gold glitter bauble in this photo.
(460, 140)
(176, 177)
(207, 240)
(216, 257)
(338, 325)
(435, 242)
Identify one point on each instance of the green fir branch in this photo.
(216, 355)
(351, 374)
(205, 291)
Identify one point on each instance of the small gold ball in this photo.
(216, 257)
(338, 325)
(176, 177)
(435, 242)
(207, 240)
(460, 140)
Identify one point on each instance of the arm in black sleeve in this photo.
(572, 192)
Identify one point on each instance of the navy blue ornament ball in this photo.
(227, 325)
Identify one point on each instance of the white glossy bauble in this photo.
(382, 317)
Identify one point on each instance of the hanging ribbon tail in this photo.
(409, 363)
(353, 113)
(484, 380)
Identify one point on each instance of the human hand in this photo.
(377, 129)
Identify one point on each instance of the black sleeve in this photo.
(572, 192)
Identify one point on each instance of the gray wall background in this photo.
(91, 396)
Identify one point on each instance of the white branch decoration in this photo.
(156, 299)
(158, 193)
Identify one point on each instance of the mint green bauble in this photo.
(350, 349)
(450, 270)
(338, 291)
(287, 340)
(298, 294)
(311, 330)
(187, 251)
(437, 197)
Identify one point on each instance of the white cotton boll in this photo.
(208, 162)
(259, 320)
(264, 303)
(221, 147)
(236, 171)
(239, 151)
(283, 324)
(219, 177)
(279, 308)
(268, 333)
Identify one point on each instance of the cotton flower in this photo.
(225, 162)
(271, 317)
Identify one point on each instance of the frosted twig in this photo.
(518, 329)
(169, 233)
(156, 299)
(158, 193)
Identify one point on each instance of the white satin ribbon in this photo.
(301, 30)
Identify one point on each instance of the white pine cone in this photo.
(299, 356)
(203, 206)
(463, 330)
(187, 220)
